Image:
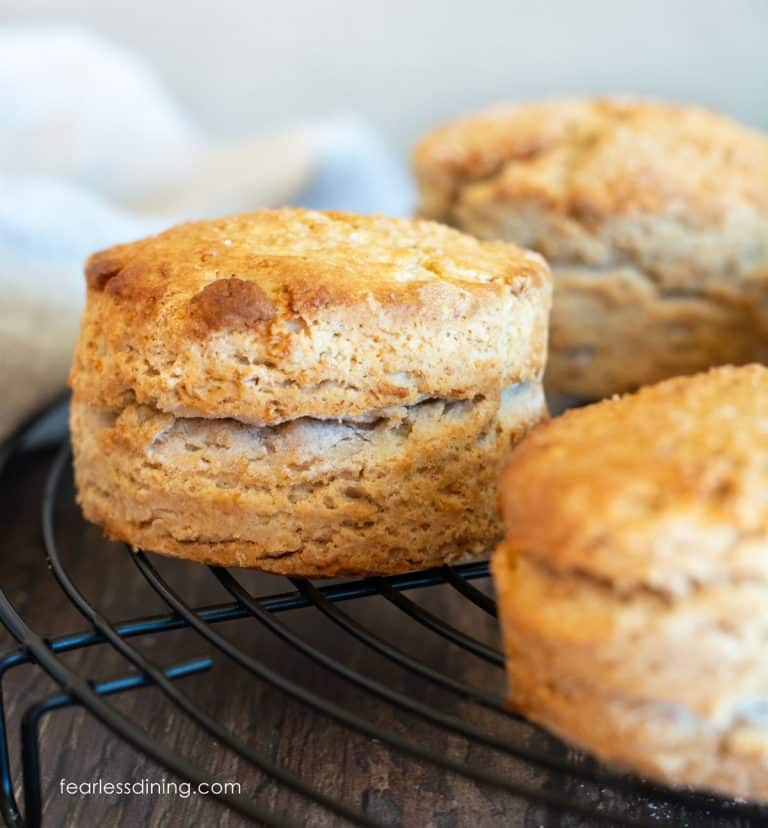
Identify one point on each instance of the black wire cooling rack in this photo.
(575, 790)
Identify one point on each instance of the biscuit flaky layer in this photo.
(654, 218)
(633, 579)
(293, 313)
(413, 488)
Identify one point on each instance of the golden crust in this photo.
(596, 157)
(288, 313)
(666, 488)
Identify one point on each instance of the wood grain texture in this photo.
(366, 774)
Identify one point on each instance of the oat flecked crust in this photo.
(633, 580)
(307, 393)
(653, 216)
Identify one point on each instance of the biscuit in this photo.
(633, 580)
(654, 218)
(314, 394)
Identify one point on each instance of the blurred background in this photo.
(119, 119)
(243, 65)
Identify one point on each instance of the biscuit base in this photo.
(413, 489)
(614, 331)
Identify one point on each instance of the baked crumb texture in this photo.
(654, 218)
(308, 393)
(633, 580)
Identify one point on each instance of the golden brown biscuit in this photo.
(653, 216)
(633, 579)
(306, 393)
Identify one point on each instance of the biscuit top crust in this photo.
(665, 489)
(596, 157)
(290, 261)
(286, 313)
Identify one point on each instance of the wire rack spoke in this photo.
(396, 655)
(397, 699)
(8, 805)
(437, 625)
(478, 598)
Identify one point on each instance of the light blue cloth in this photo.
(357, 172)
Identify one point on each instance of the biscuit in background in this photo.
(653, 217)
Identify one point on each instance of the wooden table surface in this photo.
(366, 774)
